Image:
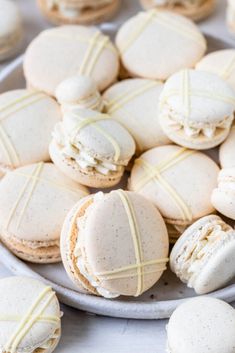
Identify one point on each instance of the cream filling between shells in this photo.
(193, 130)
(208, 240)
(185, 3)
(83, 158)
(80, 253)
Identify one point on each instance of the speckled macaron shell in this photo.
(79, 13)
(26, 117)
(134, 104)
(193, 11)
(196, 109)
(34, 201)
(11, 29)
(204, 256)
(58, 53)
(223, 197)
(202, 324)
(178, 181)
(141, 42)
(111, 243)
(222, 63)
(227, 150)
(30, 316)
(105, 141)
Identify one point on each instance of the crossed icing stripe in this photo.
(29, 188)
(161, 19)
(33, 315)
(6, 111)
(155, 173)
(140, 264)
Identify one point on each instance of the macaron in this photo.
(134, 104)
(222, 63)
(177, 180)
(196, 109)
(223, 196)
(85, 12)
(30, 316)
(204, 255)
(34, 201)
(11, 29)
(114, 244)
(59, 53)
(202, 325)
(227, 151)
(91, 148)
(156, 44)
(194, 9)
(230, 16)
(26, 117)
(79, 92)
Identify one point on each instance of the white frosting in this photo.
(72, 11)
(186, 3)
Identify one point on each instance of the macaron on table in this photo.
(120, 215)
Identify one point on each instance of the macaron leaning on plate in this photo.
(142, 40)
(134, 104)
(34, 201)
(91, 148)
(196, 109)
(30, 316)
(202, 325)
(26, 117)
(114, 244)
(204, 255)
(74, 50)
(11, 29)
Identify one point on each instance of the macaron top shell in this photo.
(227, 151)
(11, 21)
(26, 116)
(86, 51)
(202, 325)
(30, 316)
(142, 44)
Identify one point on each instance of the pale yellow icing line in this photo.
(45, 319)
(122, 276)
(19, 100)
(120, 101)
(28, 320)
(94, 58)
(88, 53)
(228, 69)
(29, 196)
(135, 237)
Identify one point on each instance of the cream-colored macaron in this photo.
(177, 180)
(34, 201)
(134, 104)
(11, 29)
(222, 63)
(79, 92)
(227, 151)
(194, 9)
(230, 16)
(91, 148)
(114, 244)
(202, 325)
(204, 256)
(59, 53)
(223, 196)
(30, 316)
(196, 109)
(85, 12)
(27, 120)
(155, 44)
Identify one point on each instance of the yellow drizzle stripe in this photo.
(19, 100)
(228, 69)
(46, 319)
(119, 102)
(8, 148)
(28, 320)
(30, 194)
(88, 53)
(122, 276)
(92, 121)
(94, 58)
(135, 237)
(185, 91)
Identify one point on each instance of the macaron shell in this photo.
(109, 243)
(43, 57)
(227, 150)
(224, 201)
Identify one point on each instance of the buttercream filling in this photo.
(208, 240)
(94, 102)
(80, 253)
(71, 11)
(35, 244)
(185, 3)
(194, 130)
(70, 149)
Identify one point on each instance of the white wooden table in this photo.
(88, 333)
